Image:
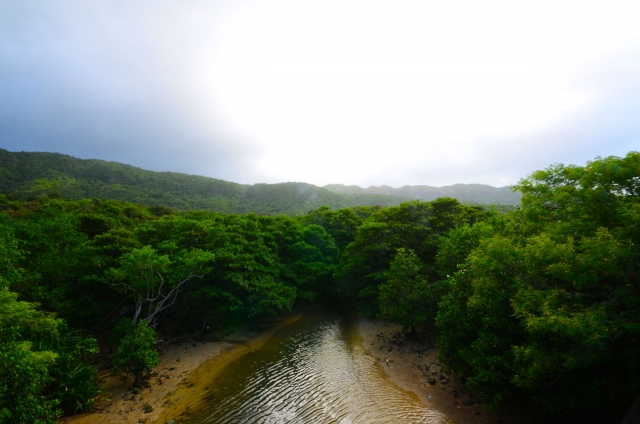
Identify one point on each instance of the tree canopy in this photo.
(541, 303)
(549, 304)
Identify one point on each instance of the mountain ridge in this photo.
(24, 174)
(475, 193)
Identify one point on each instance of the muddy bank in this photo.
(179, 378)
(184, 376)
(195, 386)
(413, 365)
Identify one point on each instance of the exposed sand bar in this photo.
(187, 370)
(411, 363)
(182, 376)
(196, 384)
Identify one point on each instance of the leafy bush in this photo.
(408, 297)
(43, 364)
(24, 370)
(120, 331)
(75, 382)
(137, 352)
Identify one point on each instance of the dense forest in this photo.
(465, 193)
(27, 175)
(538, 305)
(30, 174)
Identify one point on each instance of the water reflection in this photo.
(312, 371)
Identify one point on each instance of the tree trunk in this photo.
(137, 375)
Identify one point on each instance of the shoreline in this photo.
(187, 369)
(198, 382)
(184, 371)
(413, 365)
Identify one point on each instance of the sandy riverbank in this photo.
(187, 369)
(195, 387)
(180, 378)
(413, 365)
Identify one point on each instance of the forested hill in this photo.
(466, 193)
(539, 306)
(25, 174)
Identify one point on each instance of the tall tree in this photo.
(407, 296)
(155, 281)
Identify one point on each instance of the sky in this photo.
(392, 92)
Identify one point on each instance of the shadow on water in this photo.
(314, 370)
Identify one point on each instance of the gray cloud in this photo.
(81, 80)
(609, 127)
(115, 81)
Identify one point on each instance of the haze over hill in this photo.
(34, 173)
(284, 90)
(475, 193)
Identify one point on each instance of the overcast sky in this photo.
(367, 92)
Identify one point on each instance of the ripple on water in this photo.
(312, 371)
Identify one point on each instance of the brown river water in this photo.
(315, 370)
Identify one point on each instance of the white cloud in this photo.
(365, 92)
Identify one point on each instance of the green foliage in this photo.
(549, 305)
(5, 415)
(454, 249)
(542, 302)
(247, 268)
(43, 364)
(10, 273)
(75, 380)
(155, 281)
(136, 351)
(465, 193)
(476, 322)
(417, 226)
(122, 328)
(407, 297)
(30, 175)
(340, 224)
(24, 371)
(55, 260)
(261, 264)
(62, 265)
(24, 376)
(311, 259)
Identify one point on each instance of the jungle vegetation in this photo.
(465, 193)
(27, 175)
(539, 305)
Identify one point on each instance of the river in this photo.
(314, 370)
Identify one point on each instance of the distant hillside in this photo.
(27, 174)
(465, 193)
